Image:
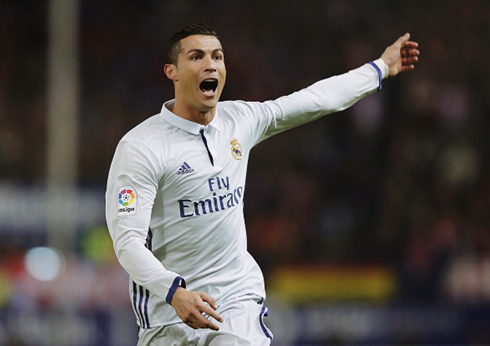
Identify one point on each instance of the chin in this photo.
(209, 105)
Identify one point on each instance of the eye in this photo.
(195, 57)
(218, 57)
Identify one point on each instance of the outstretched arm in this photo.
(401, 55)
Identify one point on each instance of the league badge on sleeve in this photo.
(126, 201)
(236, 149)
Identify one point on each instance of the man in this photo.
(176, 185)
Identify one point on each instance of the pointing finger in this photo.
(210, 310)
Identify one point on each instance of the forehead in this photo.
(201, 42)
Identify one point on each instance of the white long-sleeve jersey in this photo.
(174, 199)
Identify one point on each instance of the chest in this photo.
(205, 165)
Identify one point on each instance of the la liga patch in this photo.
(126, 199)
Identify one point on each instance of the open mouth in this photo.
(209, 86)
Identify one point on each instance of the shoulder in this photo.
(146, 140)
(150, 128)
(238, 107)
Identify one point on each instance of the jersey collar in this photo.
(185, 124)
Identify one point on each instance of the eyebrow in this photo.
(197, 50)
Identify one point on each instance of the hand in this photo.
(401, 55)
(191, 305)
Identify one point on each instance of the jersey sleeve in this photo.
(323, 97)
(131, 188)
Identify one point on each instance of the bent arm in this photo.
(144, 268)
(129, 220)
(133, 169)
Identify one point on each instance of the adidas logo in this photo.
(185, 169)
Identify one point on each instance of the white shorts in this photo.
(243, 325)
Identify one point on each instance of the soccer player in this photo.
(174, 199)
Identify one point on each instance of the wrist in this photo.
(179, 282)
(383, 67)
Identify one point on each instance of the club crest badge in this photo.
(236, 149)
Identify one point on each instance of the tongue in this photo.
(208, 92)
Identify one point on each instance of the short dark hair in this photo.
(173, 45)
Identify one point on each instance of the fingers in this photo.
(407, 48)
(202, 322)
(195, 319)
(190, 307)
(401, 55)
(210, 310)
(198, 321)
(410, 50)
(410, 60)
(208, 299)
(407, 68)
(410, 45)
(410, 55)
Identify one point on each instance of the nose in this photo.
(209, 64)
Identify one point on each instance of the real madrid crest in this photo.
(236, 149)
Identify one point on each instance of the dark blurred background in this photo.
(372, 225)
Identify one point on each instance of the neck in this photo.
(187, 112)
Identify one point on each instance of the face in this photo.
(199, 75)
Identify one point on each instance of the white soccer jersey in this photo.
(174, 199)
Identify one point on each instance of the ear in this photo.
(170, 71)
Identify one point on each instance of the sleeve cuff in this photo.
(382, 66)
(178, 282)
(382, 69)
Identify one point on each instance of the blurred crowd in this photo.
(402, 178)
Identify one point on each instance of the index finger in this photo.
(200, 321)
(410, 44)
(209, 324)
(211, 312)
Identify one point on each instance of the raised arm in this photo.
(336, 93)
